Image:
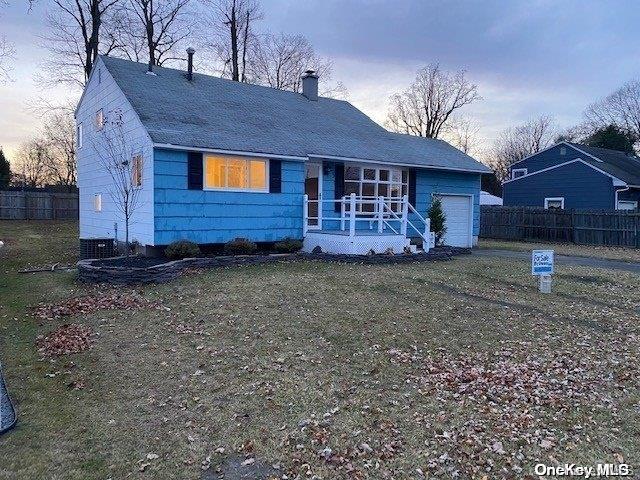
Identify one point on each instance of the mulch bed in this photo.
(132, 262)
(64, 340)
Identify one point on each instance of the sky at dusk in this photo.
(527, 57)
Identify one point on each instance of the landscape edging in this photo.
(90, 273)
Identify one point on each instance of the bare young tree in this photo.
(621, 108)
(7, 53)
(279, 61)
(118, 157)
(424, 109)
(516, 143)
(59, 137)
(232, 24)
(463, 134)
(159, 25)
(31, 163)
(75, 39)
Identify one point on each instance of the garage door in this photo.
(457, 210)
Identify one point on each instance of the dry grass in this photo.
(339, 371)
(612, 253)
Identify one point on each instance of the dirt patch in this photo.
(64, 340)
(93, 303)
(238, 467)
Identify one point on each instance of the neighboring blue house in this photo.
(569, 175)
(219, 159)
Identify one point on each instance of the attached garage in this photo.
(458, 210)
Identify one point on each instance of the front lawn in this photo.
(595, 251)
(459, 369)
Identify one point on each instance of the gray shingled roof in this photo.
(619, 164)
(216, 113)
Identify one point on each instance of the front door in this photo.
(313, 189)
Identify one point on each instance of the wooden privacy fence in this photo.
(588, 227)
(38, 206)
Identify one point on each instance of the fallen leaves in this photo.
(92, 303)
(64, 340)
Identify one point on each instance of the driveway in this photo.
(564, 259)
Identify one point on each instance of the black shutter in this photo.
(412, 187)
(275, 176)
(194, 171)
(339, 187)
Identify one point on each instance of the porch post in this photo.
(380, 213)
(352, 215)
(305, 214)
(342, 213)
(405, 215)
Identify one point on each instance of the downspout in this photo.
(615, 207)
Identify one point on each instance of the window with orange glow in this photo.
(235, 173)
(136, 173)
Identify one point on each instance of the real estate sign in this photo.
(542, 262)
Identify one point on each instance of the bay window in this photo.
(223, 172)
(374, 182)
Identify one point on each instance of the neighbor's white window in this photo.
(519, 172)
(99, 119)
(627, 205)
(136, 170)
(373, 182)
(97, 202)
(79, 136)
(222, 172)
(554, 203)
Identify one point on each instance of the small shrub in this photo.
(182, 249)
(135, 246)
(288, 245)
(240, 246)
(438, 219)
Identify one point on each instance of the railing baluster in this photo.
(405, 215)
(342, 213)
(380, 213)
(352, 215)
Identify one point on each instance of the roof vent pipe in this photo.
(310, 85)
(190, 52)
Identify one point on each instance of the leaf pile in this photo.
(92, 303)
(64, 340)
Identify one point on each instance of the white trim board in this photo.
(553, 146)
(616, 181)
(396, 164)
(170, 146)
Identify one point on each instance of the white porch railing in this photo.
(354, 208)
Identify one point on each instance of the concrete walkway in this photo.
(564, 259)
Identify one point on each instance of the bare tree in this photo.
(279, 61)
(159, 25)
(7, 53)
(232, 23)
(75, 39)
(463, 134)
(621, 108)
(117, 157)
(31, 163)
(425, 107)
(516, 143)
(59, 137)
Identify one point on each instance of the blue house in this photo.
(216, 160)
(569, 175)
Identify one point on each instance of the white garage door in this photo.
(457, 210)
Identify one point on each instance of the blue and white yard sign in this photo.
(542, 262)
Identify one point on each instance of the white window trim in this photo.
(97, 202)
(513, 172)
(627, 201)
(235, 189)
(554, 199)
(99, 120)
(377, 181)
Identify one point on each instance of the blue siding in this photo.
(580, 185)
(428, 182)
(217, 217)
(549, 158)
